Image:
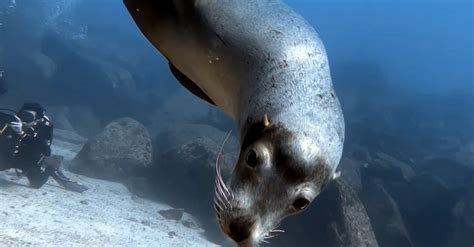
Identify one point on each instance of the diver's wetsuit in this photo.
(27, 151)
(33, 146)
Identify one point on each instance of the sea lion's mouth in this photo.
(258, 238)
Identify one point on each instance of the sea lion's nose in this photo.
(240, 228)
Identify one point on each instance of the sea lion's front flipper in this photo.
(189, 84)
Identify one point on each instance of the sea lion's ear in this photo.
(266, 122)
(336, 175)
(254, 130)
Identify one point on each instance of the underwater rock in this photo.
(59, 117)
(350, 172)
(172, 214)
(84, 121)
(389, 168)
(465, 155)
(183, 172)
(68, 136)
(180, 107)
(463, 222)
(385, 216)
(46, 66)
(122, 148)
(337, 218)
(426, 207)
(53, 161)
(188, 153)
(418, 201)
(359, 153)
(453, 174)
(405, 170)
(66, 143)
(120, 78)
(140, 186)
(184, 134)
(354, 227)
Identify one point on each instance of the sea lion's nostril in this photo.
(240, 229)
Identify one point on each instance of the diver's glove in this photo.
(17, 126)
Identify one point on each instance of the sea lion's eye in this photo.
(301, 203)
(252, 158)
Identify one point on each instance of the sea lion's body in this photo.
(255, 58)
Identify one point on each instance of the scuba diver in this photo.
(25, 142)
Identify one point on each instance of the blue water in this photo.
(403, 71)
(421, 46)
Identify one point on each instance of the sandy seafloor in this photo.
(105, 215)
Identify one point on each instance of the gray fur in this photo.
(256, 57)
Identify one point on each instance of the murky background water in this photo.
(402, 70)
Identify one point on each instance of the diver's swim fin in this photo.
(189, 84)
(67, 183)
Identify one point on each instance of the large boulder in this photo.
(411, 205)
(179, 135)
(67, 143)
(385, 216)
(354, 224)
(350, 172)
(84, 120)
(465, 155)
(337, 218)
(389, 168)
(426, 205)
(179, 107)
(59, 117)
(463, 222)
(183, 172)
(188, 153)
(119, 151)
(452, 173)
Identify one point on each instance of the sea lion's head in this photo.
(279, 173)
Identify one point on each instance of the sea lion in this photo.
(266, 67)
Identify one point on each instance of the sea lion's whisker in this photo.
(226, 192)
(218, 167)
(226, 196)
(219, 192)
(218, 205)
(219, 217)
(222, 202)
(269, 236)
(219, 189)
(277, 230)
(222, 193)
(221, 183)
